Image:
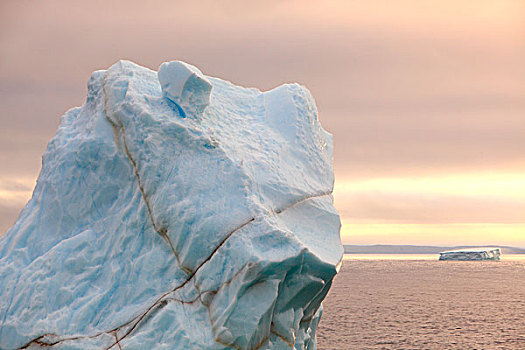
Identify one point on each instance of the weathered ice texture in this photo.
(175, 211)
(471, 254)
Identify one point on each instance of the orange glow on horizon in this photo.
(467, 184)
(477, 186)
(429, 234)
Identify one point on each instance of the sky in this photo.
(425, 99)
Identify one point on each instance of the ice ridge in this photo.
(175, 210)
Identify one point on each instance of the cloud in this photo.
(406, 90)
(453, 198)
(488, 234)
(430, 209)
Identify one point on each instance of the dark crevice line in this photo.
(140, 317)
(34, 341)
(118, 126)
(262, 343)
(282, 338)
(162, 230)
(278, 211)
(163, 233)
(213, 253)
(234, 277)
(116, 339)
(41, 342)
(236, 347)
(199, 296)
(301, 200)
(159, 300)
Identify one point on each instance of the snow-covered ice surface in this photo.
(175, 211)
(489, 253)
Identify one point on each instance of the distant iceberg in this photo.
(175, 211)
(471, 254)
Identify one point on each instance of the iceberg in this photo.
(175, 210)
(471, 254)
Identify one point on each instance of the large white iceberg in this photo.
(175, 211)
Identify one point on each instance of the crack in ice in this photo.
(162, 231)
(160, 299)
(117, 126)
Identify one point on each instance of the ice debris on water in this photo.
(175, 210)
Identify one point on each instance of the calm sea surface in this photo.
(398, 301)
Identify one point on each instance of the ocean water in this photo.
(417, 302)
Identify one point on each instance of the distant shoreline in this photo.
(418, 249)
